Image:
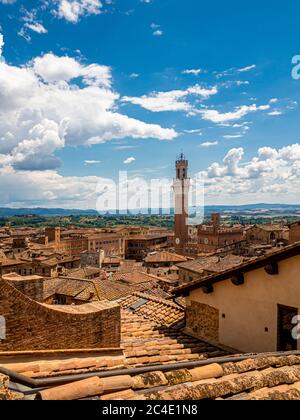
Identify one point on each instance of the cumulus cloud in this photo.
(36, 151)
(43, 109)
(40, 188)
(174, 100)
(272, 175)
(52, 68)
(73, 10)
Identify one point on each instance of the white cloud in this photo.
(31, 24)
(134, 76)
(209, 143)
(36, 151)
(233, 71)
(1, 44)
(43, 109)
(248, 68)
(73, 10)
(271, 176)
(36, 27)
(240, 112)
(232, 136)
(129, 160)
(55, 69)
(154, 26)
(170, 101)
(47, 188)
(194, 72)
(7, 1)
(157, 31)
(92, 162)
(275, 113)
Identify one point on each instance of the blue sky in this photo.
(211, 79)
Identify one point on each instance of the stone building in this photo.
(8, 265)
(78, 241)
(267, 234)
(138, 247)
(250, 307)
(53, 234)
(294, 232)
(92, 258)
(216, 236)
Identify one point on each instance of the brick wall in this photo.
(203, 321)
(34, 326)
(33, 287)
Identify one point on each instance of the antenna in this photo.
(181, 157)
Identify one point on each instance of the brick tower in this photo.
(181, 195)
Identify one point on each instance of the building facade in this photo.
(213, 237)
(250, 308)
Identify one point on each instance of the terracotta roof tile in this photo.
(160, 311)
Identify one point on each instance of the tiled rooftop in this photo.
(160, 311)
(214, 264)
(164, 257)
(147, 343)
(249, 377)
(144, 343)
(84, 272)
(79, 289)
(133, 277)
(115, 290)
(264, 378)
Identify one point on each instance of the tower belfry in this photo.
(181, 193)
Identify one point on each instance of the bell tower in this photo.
(181, 194)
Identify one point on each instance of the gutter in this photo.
(62, 380)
